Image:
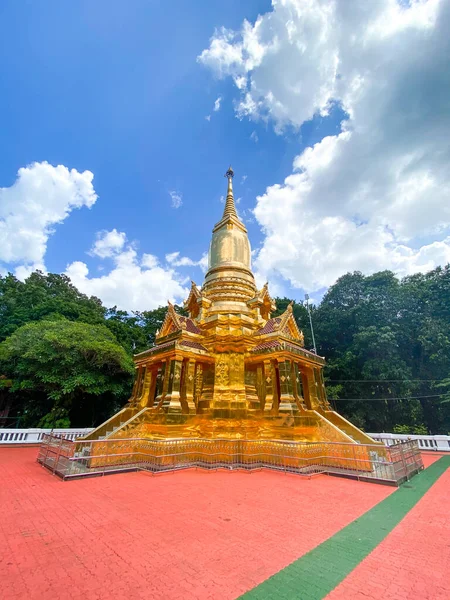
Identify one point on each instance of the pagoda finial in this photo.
(230, 209)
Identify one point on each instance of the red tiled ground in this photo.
(177, 536)
(429, 458)
(413, 561)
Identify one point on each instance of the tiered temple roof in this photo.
(230, 367)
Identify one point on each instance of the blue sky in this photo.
(117, 89)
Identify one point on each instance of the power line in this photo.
(384, 380)
(385, 399)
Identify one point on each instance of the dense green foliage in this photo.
(65, 373)
(136, 332)
(387, 344)
(65, 358)
(41, 297)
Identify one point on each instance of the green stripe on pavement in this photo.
(315, 574)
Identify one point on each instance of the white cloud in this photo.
(41, 197)
(277, 285)
(133, 284)
(108, 243)
(177, 198)
(44, 195)
(203, 262)
(222, 54)
(243, 178)
(175, 260)
(217, 104)
(136, 282)
(240, 82)
(149, 261)
(22, 272)
(208, 117)
(297, 37)
(254, 137)
(367, 197)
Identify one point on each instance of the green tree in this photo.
(425, 332)
(137, 331)
(382, 337)
(387, 338)
(42, 297)
(127, 328)
(66, 373)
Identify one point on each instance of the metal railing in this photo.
(366, 462)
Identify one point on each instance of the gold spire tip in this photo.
(230, 172)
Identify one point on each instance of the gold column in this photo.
(139, 385)
(172, 400)
(287, 401)
(189, 382)
(276, 388)
(198, 384)
(324, 390)
(269, 384)
(260, 387)
(251, 388)
(159, 371)
(148, 377)
(153, 386)
(297, 385)
(320, 389)
(312, 388)
(133, 398)
(305, 386)
(164, 381)
(206, 388)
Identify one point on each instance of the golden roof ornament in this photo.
(230, 208)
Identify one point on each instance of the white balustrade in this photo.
(438, 443)
(34, 436)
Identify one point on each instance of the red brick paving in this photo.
(188, 535)
(413, 561)
(430, 457)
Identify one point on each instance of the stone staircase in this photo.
(124, 425)
(110, 431)
(358, 436)
(113, 424)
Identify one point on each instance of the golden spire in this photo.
(229, 282)
(230, 209)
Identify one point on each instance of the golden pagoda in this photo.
(229, 370)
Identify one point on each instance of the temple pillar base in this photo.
(229, 403)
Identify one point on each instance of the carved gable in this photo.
(171, 323)
(191, 304)
(288, 326)
(264, 302)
